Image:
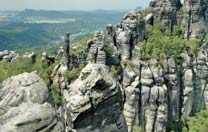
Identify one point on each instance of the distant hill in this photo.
(40, 28)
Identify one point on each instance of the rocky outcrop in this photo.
(32, 56)
(131, 31)
(24, 106)
(145, 91)
(95, 101)
(195, 18)
(96, 49)
(29, 117)
(12, 56)
(27, 87)
(118, 90)
(156, 96)
(159, 95)
(165, 11)
(8, 56)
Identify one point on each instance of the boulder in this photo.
(26, 87)
(30, 117)
(8, 56)
(94, 100)
(24, 106)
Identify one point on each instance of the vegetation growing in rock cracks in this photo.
(74, 73)
(159, 44)
(57, 98)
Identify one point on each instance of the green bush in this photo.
(197, 123)
(74, 73)
(159, 44)
(57, 98)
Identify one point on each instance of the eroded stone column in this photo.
(67, 51)
(96, 49)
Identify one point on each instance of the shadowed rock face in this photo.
(24, 107)
(165, 11)
(94, 100)
(194, 20)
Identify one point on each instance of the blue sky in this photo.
(71, 4)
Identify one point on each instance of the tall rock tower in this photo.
(195, 18)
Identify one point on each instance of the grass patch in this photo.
(197, 123)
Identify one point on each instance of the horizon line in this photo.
(122, 9)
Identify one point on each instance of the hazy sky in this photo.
(71, 4)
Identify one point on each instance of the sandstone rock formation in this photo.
(165, 11)
(24, 107)
(194, 18)
(147, 93)
(23, 88)
(8, 56)
(32, 56)
(94, 101)
(96, 49)
(29, 117)
(131, 31)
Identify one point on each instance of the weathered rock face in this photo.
(24, 107)
(194, 15)
(111, 46)
(123, 38)
(8, 56)
(195, 20)
(27, 87)
(57, 77)
(110, 35)
(146, 93)
(158, 96)
(94, 100)
(32, 56)
(130, 85)
(153, 97)
(96, 49)
(131, 30)
(165, 11)
(29, 117)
